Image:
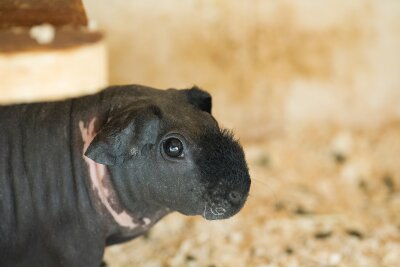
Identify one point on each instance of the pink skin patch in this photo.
(99, 177)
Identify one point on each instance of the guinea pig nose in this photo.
(235, 196)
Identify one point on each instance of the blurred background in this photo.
(270, 64)
(311, 88)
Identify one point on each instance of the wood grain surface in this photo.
(26, 13)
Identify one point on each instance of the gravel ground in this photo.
(321, 196)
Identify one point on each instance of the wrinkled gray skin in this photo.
(52, 213)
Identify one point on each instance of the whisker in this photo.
(259, 181)
(205, 210)
(253, 196)
(266, 186)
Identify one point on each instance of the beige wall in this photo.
(269, 64)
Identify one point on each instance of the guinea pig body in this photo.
(83, 173)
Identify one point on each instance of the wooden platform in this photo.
(27, 13)
(47, 52)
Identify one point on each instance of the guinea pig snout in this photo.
(214, 212)
(222, 206)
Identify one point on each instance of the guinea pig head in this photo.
(172, 152)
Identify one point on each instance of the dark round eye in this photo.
(173, 147)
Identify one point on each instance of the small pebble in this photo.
(388, 181)
(355, 233)
(289, 251)
(190, 258)
(263, 160)
(146, 235)
(363, 185)
(351, 173)
(335, 259)
(279, 206)
(323, 235)
(339, 157)
(301, 211)
(236, 237)
(342, 143)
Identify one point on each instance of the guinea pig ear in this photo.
(124, 135)
(199, 98)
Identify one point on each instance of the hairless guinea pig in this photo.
(83, 173)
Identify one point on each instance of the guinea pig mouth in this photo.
(220, 205)
(217, 212)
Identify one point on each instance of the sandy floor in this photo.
(320, 197)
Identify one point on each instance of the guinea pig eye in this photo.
(173, 147)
